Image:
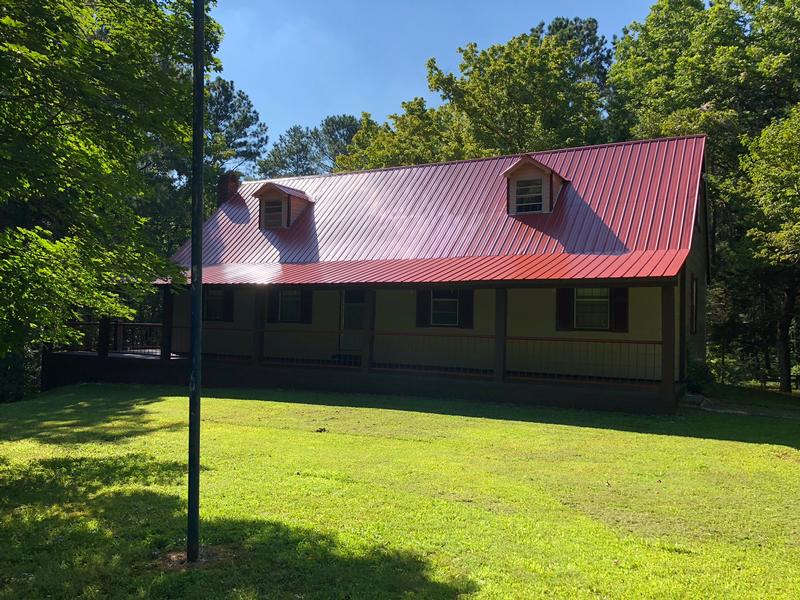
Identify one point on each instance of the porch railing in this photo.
(458, 353)
(638, 360)
(436, 352)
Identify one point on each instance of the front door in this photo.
(352, 320)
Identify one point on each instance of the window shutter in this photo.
(272, 305)
(466, 309)
(227, 310)
(565, 309)
(306, 300)
(423, 308)
(619, 309)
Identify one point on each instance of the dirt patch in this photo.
(210, 556)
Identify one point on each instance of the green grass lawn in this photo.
(753, 395)
(312, 495)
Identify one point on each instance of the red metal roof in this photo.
(627, 211)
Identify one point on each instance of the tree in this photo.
(236, 139)
(534, 92)
(235, 136)
(77, 112)
(773, 169)
(306, 151)
(417, 135)
(593, 55)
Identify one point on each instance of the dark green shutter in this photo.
(227, 304)
(273, 300)
(306, 301)
(565, 309)
(423, 308)
(619, 309)
(466, 309)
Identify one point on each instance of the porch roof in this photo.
(644, 264)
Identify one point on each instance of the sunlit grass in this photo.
(313, 495)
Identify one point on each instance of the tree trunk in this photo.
(785, 316)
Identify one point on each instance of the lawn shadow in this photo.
(687, 422)
(83, 413)
(91, 527)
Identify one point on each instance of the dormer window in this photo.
(279, 206)
(529, 195)
(532, 187)
(272, 213)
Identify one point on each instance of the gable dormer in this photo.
(279, 206)
(532, 187)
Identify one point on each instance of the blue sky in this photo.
(302, 60)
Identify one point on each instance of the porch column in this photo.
(166, 323)
(682, 328)
(259, 310)
(103, 337)
(500, 332)
(368, 341)
(668, 344)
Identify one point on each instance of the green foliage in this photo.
(19, 374)
(773, 169)
(235, 136)
(235, 140)
(417, 135)
(310, 151)
(533, 92)
(77, 113)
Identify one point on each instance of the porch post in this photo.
(103, 337)
(500, 331)
(259, 309)
(668, 345)
(166, 323)
(682, 326)
(368, 341)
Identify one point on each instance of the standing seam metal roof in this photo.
(627, 211)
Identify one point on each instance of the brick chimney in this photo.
(227, 187)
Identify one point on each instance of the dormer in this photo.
(532, 187)
(279, 206)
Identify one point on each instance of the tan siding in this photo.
(398, 340)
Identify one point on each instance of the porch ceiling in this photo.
(642, 264)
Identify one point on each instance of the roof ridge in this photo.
(482, 158)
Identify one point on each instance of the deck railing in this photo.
(136, 338)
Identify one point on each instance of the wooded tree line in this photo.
(95, 154)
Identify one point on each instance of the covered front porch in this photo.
(621, 339)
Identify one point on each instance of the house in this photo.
(572, 276)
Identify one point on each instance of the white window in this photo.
(271, 214)
(444, 308)
(592, 308)
(529, 195)
(290, 306)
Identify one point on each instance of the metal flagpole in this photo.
(193, 524)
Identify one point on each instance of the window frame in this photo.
(299, 293)
(521, 207)
(580, 301)
(226, 314)
(454, 298)
(262, 212)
